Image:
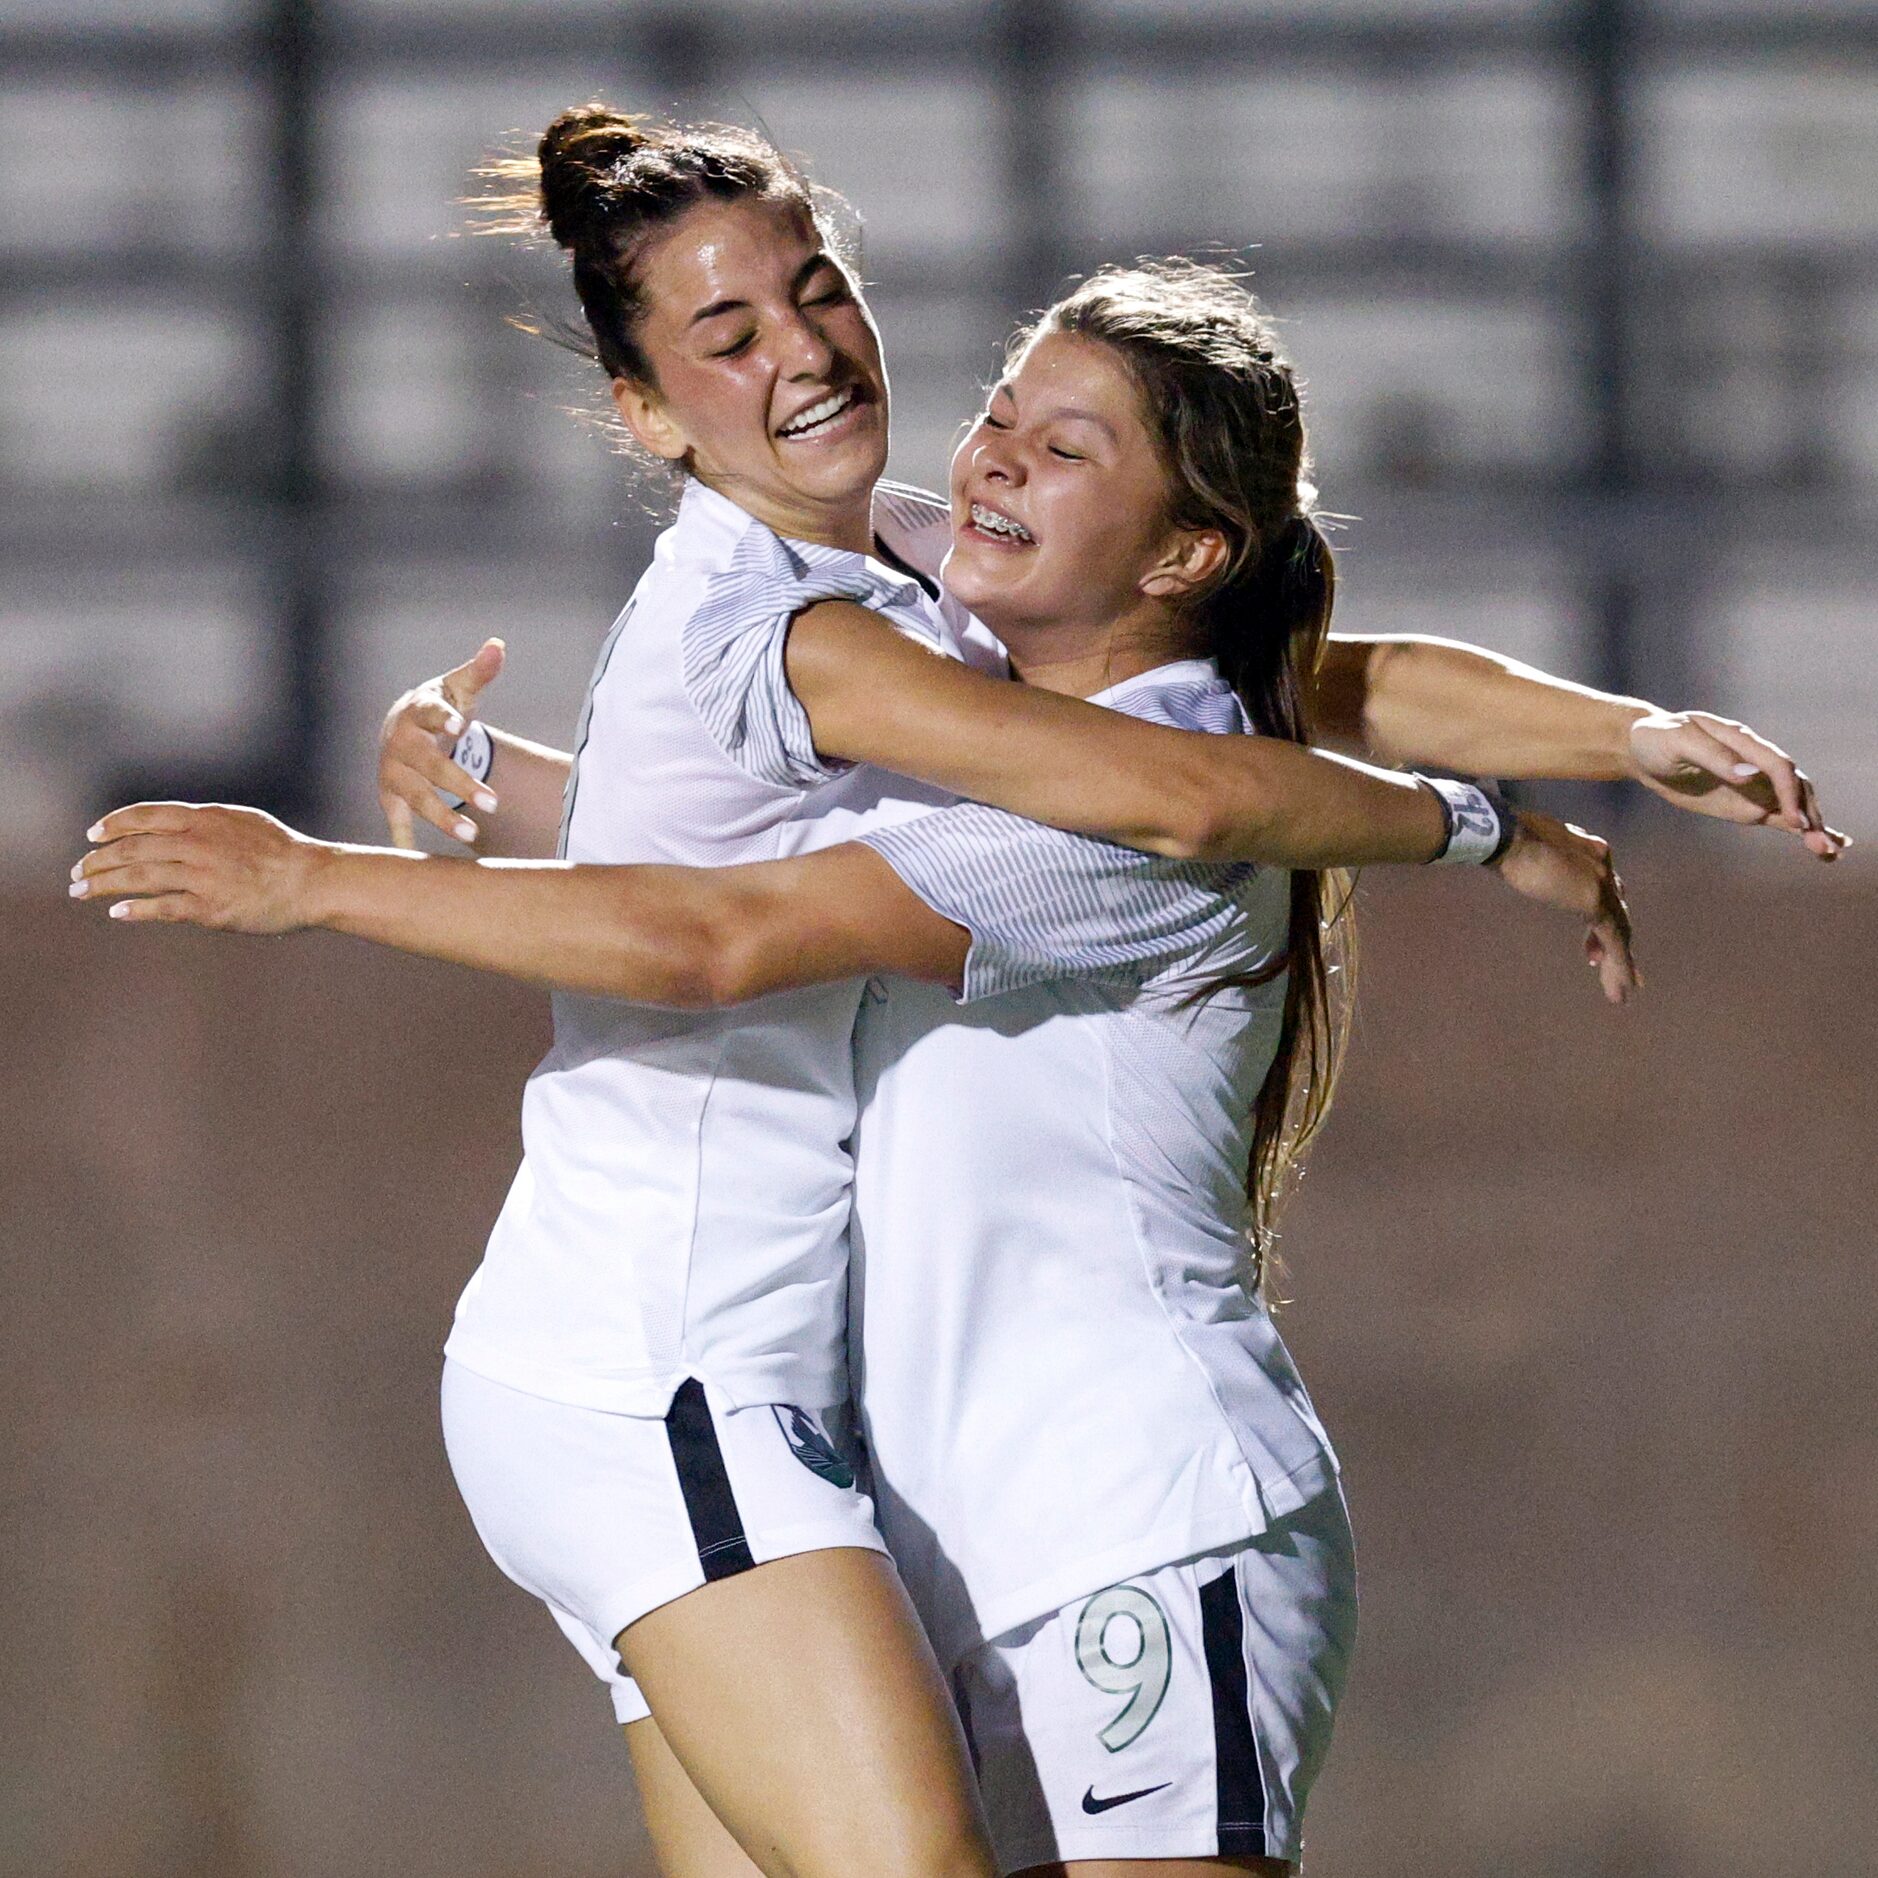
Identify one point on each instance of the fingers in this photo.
(1695, 743)
(142, 877)
(462, 685)
(164, 906)
(1607, 950)
(1616, 953)
(1753, 755)
(438, 770)
(403, 793)
(399, 820)
(412, 767)
(146, 877)
(105, 863)
(1809, 801)
(1827, 843)
(431, 713)
(1799, 809)
(1609, 945)
(1761, 783)
(144, 818)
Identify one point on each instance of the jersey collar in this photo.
(1159, 678)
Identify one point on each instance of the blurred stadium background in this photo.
(1587, 295)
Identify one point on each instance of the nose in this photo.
(995, 459)
(805, 353)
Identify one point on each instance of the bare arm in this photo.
(686, 937)
(873, 696)
(691, 938)
(1413, 699)
(529, 781)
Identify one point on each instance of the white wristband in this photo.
(475, 752)
(1480, 825)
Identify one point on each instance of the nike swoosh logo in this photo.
(1090, 1804)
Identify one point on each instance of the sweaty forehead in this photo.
(1066, 375)
(728, 250)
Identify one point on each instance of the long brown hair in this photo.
(1222, 403)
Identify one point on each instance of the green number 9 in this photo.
(1123, 1647)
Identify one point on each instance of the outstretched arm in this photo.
(691, 938)
(687, 937)
(874, 696)
(1413, 699)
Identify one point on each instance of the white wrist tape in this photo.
(1480, 824)
(474, 751)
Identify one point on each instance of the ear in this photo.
(651, 425)
(1190, 559)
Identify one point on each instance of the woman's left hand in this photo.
(235, 870)
(1559, 865)
(1715, 766)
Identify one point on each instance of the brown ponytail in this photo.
(603, 183)
(1223, 406)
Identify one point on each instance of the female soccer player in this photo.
(606, 1472)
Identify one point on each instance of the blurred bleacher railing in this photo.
(1587, 295)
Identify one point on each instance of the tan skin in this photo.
(713, 939)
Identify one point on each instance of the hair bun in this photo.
(580, 155)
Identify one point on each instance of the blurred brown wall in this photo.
(1586, 1296)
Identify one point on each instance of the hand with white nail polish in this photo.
(417, 770)
(415, 745)
(1713, 766)
(232, 869)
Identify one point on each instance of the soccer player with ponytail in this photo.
(1081, 1073)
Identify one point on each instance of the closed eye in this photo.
(1068, 456)
(736, 345)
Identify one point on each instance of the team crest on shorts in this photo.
(810, 1446)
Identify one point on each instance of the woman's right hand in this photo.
(414, 747)
(1560, 865)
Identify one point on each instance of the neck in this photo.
(847, 524)
(1081, 658)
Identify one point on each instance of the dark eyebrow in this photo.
(822, 258)
(716, 308)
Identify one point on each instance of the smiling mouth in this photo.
(821, 417)
(994, 526)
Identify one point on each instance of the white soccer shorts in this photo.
(605, 1517)
(1180, 1714)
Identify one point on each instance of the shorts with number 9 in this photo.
(1181, 1714)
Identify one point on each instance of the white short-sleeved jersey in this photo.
(682, 1204)
(1062, 1378)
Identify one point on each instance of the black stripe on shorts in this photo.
(716, 1525)
(1235, 1754)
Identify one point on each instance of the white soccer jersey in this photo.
(1063, 1381)
(682, 1204)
